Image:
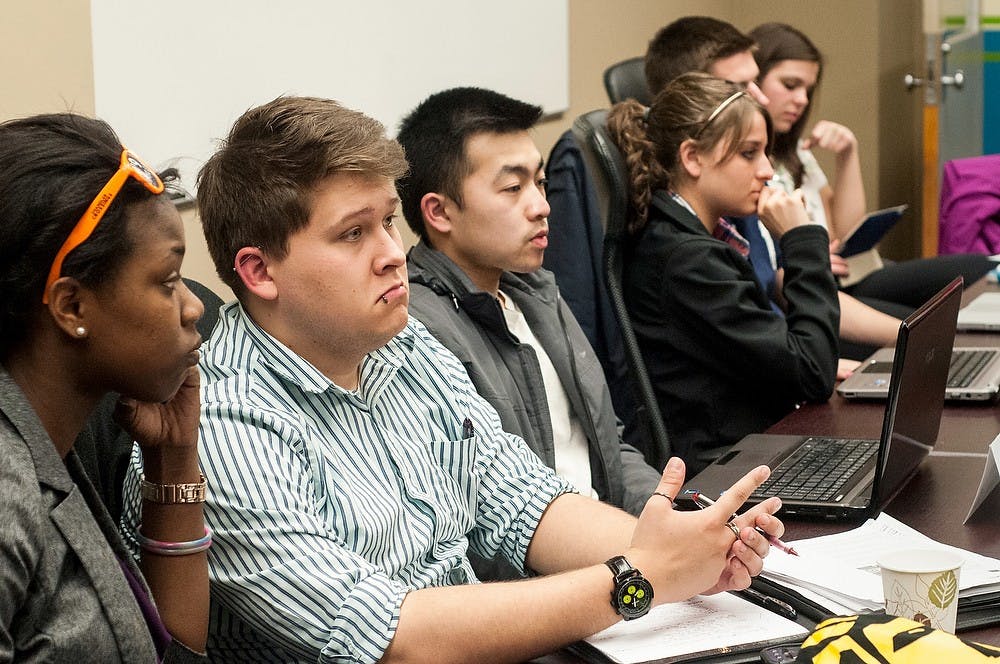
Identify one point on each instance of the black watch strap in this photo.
(632, 595)
(620, 567)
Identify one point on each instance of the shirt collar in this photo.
(295, 369)
(677, 198)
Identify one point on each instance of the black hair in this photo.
(691, 43)
(51, 168)
(434, 136)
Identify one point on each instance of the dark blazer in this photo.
(722, 362)
(575, 256)
(63, 595)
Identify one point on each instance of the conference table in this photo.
(938, 497)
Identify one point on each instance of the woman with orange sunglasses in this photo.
(93, 302)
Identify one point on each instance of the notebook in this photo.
(870, 230)
(714, 628)
(982, 314)
(974, 375)
(861, 476)
(859, 246)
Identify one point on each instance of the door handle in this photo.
(956, 80)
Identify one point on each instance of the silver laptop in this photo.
(841, 479)
(981, 315)
(974, 375)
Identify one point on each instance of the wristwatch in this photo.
(172, 494)
(632, 596)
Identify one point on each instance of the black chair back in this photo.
(607, 167)
(627, 80)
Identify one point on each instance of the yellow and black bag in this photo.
(880, 639)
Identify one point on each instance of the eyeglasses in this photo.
(131, 166)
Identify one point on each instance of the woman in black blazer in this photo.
(93, 302)
(723, 363)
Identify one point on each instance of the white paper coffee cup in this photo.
(922, 585)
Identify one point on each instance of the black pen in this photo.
(703, 501)
(783, 609)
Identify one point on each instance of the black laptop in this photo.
(841, 479)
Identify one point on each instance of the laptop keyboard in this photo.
(818, 469)
(965, 366)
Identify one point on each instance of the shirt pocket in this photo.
(454, 478)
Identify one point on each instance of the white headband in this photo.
(720, 108)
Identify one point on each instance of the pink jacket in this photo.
(969, 217)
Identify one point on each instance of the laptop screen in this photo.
(916, 393)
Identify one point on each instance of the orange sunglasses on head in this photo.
(131, 166)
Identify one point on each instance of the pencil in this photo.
(703, 501)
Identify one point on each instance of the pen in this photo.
(703, 501)
(783, 609)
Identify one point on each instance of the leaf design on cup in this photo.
(943, 590)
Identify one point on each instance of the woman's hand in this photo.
(845, 368)
(838, 264)
(168, 425)
(831, 136)
(781, 211)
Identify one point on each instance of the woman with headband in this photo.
(723, 363)
(93, 302)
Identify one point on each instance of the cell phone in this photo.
(779, 654)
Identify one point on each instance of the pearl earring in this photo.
(81, 331)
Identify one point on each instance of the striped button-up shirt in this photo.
(329, 505)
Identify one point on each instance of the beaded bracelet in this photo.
(174, 548)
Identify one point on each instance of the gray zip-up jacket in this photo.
(470, 323)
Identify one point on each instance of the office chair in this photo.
(611, 182)
(103, 447)
(627, 80)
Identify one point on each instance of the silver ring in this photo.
(733, 527)
(659, 493)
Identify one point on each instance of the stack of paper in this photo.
(688, 630)
(840, 572)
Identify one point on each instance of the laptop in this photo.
(847, 479)
(981, 315)
(974, 375)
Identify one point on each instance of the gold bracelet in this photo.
(172, 494)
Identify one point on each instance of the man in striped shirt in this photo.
(353, 464)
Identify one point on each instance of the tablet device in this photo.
(871, 230)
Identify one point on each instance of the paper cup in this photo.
(922, 585)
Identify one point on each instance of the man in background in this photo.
(475, 196)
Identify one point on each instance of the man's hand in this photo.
(746, 556)
(687, 553)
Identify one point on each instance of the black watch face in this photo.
(635, 596)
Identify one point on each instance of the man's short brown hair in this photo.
(256, 190)
(692, 43)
